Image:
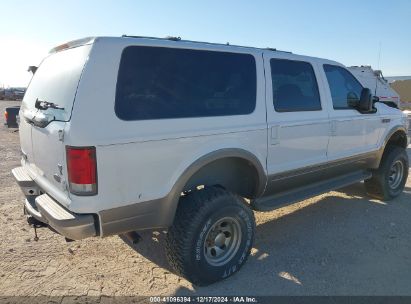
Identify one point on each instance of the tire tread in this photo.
(376, 186)
(193, 208)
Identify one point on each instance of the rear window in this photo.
(56, 81)
(160, 83)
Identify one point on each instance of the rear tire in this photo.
(211, 237)
(388, 181)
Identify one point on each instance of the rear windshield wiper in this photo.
(44, 105)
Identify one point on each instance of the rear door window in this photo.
(56, 81)
(161, 83)
(294, 86)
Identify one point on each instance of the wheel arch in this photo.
(397, 136)
(234, 169)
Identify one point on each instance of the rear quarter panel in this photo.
(139, 161)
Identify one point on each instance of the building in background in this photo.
(402, 85)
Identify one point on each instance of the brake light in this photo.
(6, 115)
(82, 170)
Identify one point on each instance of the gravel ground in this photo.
(339, 243)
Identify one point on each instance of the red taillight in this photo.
(6, 115)
(82, 170)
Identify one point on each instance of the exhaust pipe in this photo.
(133, 237)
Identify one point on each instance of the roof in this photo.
(172, 39)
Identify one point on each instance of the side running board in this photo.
(289, 197)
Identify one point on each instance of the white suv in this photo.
(120, 134)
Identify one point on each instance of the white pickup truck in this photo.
(121, 134)
(375, 81)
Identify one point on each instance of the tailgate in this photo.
(48, 153)
(46, 109)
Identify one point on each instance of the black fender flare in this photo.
(175, 193)
(380, 152)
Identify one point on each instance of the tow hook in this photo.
(33, 222)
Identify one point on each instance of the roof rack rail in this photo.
(275, 50)
(173, 38)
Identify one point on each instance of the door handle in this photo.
(274, 138)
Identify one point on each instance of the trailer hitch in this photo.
(35, 223)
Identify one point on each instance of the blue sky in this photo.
(349, 31)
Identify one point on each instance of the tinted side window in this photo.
(294, 86)
(155, 83)
(341, 83)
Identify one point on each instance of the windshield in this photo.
(56, 81)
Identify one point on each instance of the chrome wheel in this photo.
(396, 174)
(222, 241)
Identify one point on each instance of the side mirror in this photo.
(366, 101)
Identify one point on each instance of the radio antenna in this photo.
(378, 68)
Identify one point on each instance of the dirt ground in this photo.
(339, 243)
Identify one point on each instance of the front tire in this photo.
(388, 181)
(211, 237)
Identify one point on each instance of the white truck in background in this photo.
(375, 81)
